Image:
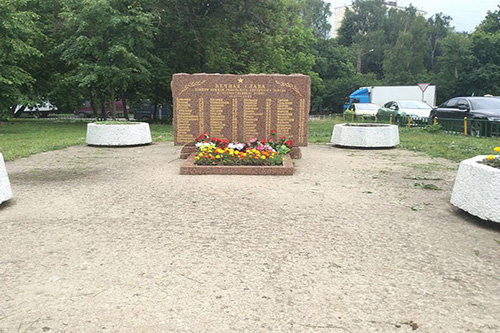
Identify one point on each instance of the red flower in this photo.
(212, 139)
(288, 143)
(198, 139)
(226, 142)
(270, 140)
(263, 141)
(283, 138)
(273, 132)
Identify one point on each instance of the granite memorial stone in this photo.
(241, 107)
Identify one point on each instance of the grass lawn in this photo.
(450, 146)
(24, 137)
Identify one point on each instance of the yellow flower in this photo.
(491, 157)
(218, 156)
(497, 149)
(196, 158)
(263, 157)
(200, 154)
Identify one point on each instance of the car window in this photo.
(452, 103)
(351, 107)
(387, 105)
(485, 103)
(463, 102)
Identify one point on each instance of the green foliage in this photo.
(102, 50)
(17, 29)
(434, 128)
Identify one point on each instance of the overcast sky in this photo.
(466, 14)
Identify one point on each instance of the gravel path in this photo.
(115, 240)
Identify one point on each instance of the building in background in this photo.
(339, 13)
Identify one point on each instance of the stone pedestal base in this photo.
(365, 135)
(127, 134)
(476, 189)
(5, 190)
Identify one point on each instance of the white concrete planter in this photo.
(5, 190)
(127, 134)
(365, 135)
(477, 189)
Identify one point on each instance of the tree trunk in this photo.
(124, 103)
(92, 104)
(112, 102)
(103, 108)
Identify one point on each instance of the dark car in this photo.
(145, 111)
(478, 110)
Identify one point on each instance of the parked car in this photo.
(39, 110)
(86, 110)
(362, 109)
(479, 110)
(404, 108)
(145, 110)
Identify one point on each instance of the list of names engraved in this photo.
(185, 118)
(217, 116)
(285, 117)
(240, 107)
(250, 118)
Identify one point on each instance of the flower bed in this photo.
(220, 156)
(477, 187)
(5, 189)
(122, 134)
(365, 135)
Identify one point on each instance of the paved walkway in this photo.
(115, 240)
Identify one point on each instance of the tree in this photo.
(107, 44)
(455, 64)
(316, 15)
(405, 60)
(366, 16)
(17, 29)
(438, 27)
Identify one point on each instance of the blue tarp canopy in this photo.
(362, 94)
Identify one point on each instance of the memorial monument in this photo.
(240, 107)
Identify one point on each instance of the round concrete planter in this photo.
(365, 135)
(476, 189)
(127, 134)
(5, 190)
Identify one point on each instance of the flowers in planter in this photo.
(217, 151)
(493, 160)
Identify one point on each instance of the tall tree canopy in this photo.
(103, 50)
(17, 29)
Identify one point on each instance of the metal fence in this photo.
(472, 127)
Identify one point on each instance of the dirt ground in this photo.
(115, 240)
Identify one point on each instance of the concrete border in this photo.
(365, 135)
(127, 134)
(5, 189)
(476, 189)
(189, 168)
